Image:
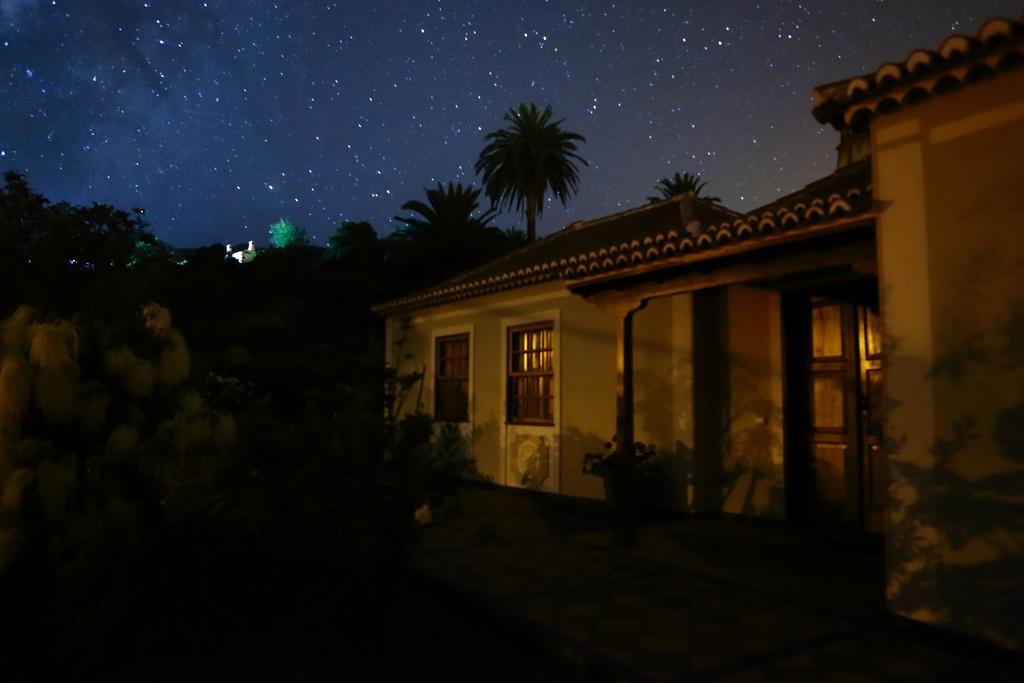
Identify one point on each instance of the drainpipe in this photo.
(624, 462)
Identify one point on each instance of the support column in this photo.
(624, 418)
(710, 397)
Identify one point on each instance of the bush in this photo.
(147, 513)
(105, 455)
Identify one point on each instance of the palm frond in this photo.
(532, 156)
(449, 209)
(676, 185)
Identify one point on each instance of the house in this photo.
(241, 255)
(850, 355)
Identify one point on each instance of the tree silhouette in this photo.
(353, 241)
(448, 211)
(284, 233)
(521, 163)
(681, 184)
(59, 255)
(515, 237)
(355, 259)
(445, 236)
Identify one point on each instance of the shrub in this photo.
(101, 469)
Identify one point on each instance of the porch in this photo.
(697, 599)
(759, 378)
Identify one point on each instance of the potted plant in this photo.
(620, 484)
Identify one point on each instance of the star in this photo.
(170, 105)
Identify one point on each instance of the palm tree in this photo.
(681, 184)
(532, 156)
(446, 236)
(448, 210)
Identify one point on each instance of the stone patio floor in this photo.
(697, 600)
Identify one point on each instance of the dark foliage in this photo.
(534, 155)
(681, 184)
(446, 235)
(283, 234)
(319, 491)
(59, 256)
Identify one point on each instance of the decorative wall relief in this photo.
(533, 461)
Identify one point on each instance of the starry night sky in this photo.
(219, 117)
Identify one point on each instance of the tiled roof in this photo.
(841, 198)
(998, 46)
(549, 258)
(675, 231)
(668, 232)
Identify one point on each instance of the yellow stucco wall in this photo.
(749, 480)
(753, 476)
(949, 182)
(663, 390)
(584, 376)
(485, 318)
(588, 392)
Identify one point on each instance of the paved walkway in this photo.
(698, 600)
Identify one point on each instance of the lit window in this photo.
(531, 374)
(451, 379)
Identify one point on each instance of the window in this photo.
(531, 374)
(451, 379)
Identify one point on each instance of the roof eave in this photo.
(997, 46)
(820, 229)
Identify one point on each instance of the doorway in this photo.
(836, 470)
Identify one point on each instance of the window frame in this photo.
(465, 379)
(511, 399)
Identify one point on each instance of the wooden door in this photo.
(833, 437)
(844, 374)
(874, 475)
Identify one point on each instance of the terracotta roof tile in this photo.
(844, 195)
(959, 59)
(600, 243)
(666, 233)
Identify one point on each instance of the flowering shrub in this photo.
(106, 454)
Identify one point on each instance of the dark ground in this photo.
(726, 600)
(416, 631)
(512, 587)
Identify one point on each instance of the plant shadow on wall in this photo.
(752, 476)
(658, 423)
(956, 521)
(741, 472)
(746, 476)
(443, 451)
(485, 438)
(401, 385)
